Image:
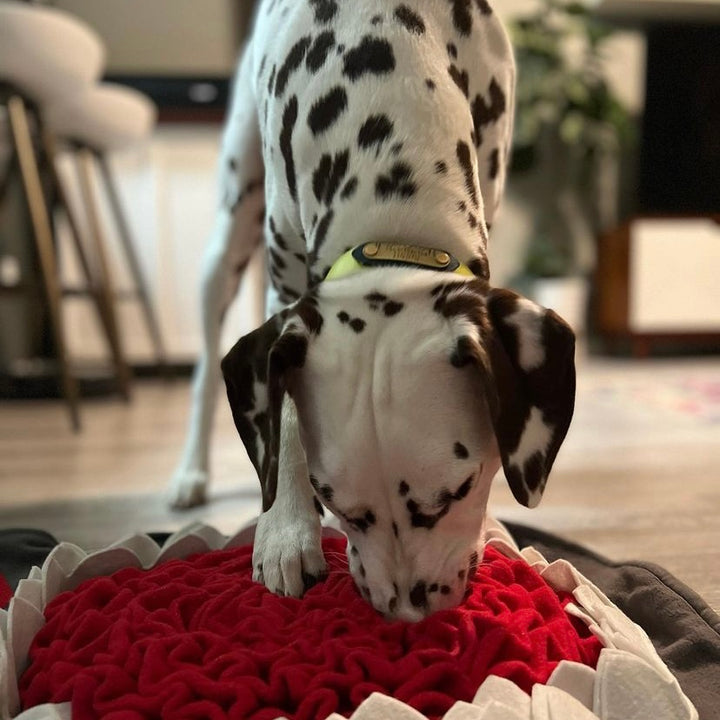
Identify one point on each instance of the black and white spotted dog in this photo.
(367, 144)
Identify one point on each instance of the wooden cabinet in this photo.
(657, 281)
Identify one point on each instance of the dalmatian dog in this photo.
(367, 144)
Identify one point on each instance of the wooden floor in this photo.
(638, 477)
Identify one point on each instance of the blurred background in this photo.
(610, 217)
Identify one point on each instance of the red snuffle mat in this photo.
(196, 638)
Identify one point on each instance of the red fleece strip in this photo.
(196, 638)
(5, 592)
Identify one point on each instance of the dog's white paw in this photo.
(187, 488)
(287, 553)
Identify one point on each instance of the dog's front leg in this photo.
(287, 555)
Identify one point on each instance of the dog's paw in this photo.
(287, 553)
(187, 489)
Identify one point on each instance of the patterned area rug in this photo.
(677, 393)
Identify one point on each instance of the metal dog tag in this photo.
(386, 252)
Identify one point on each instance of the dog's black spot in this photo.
(478, 266)
(452, 50)
(376, 20)
(409, 19)
(462, 16)
(289, 119)
(362, 570)
(310, 315)
(318, 507)
(396, 148)
(325, 10)
(395, 529)
(357, 324)
(464, 489)
(403, 488)
(289, 293)
(398, 183)
(465, 159)
(343, 317)
(494, 162)
(292, 63)
(318, 53)
(320, 235)
(444, 501)
(349, 190)
(271, 80)
(472, 221)
(441, 167)
(461, 206)
(460, 451)
(277, 237)
(461, 575)
(361, 524)
(430, 84)
(484, 113)
(484, 7)
(326, 493)
(276, 260)
(433, 588)
(391, 308)
(373, 55)
(328, 175)
(327, 109)
(444, 589)
(460, 78)
(418, 594)
(375, 298)
(353, 550)
(375, 131)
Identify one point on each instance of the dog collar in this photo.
(384, 254)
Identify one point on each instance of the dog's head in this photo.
(412, 388)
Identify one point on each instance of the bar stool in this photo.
(44, 55)
(92, 123)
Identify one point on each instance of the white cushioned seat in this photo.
(47, 53)
(104, 117)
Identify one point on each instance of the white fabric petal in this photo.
(382, 707)
(575, 679)
(551, 703)
(628, 688)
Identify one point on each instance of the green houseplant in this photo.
(569, 128)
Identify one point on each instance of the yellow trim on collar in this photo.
(379, 254)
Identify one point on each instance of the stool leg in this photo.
(22, 140)
(105, 313)
(84, 159)
(128, 246)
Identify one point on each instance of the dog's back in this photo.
(379, 120)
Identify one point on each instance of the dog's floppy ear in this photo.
(531, 352)
(257, 373)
